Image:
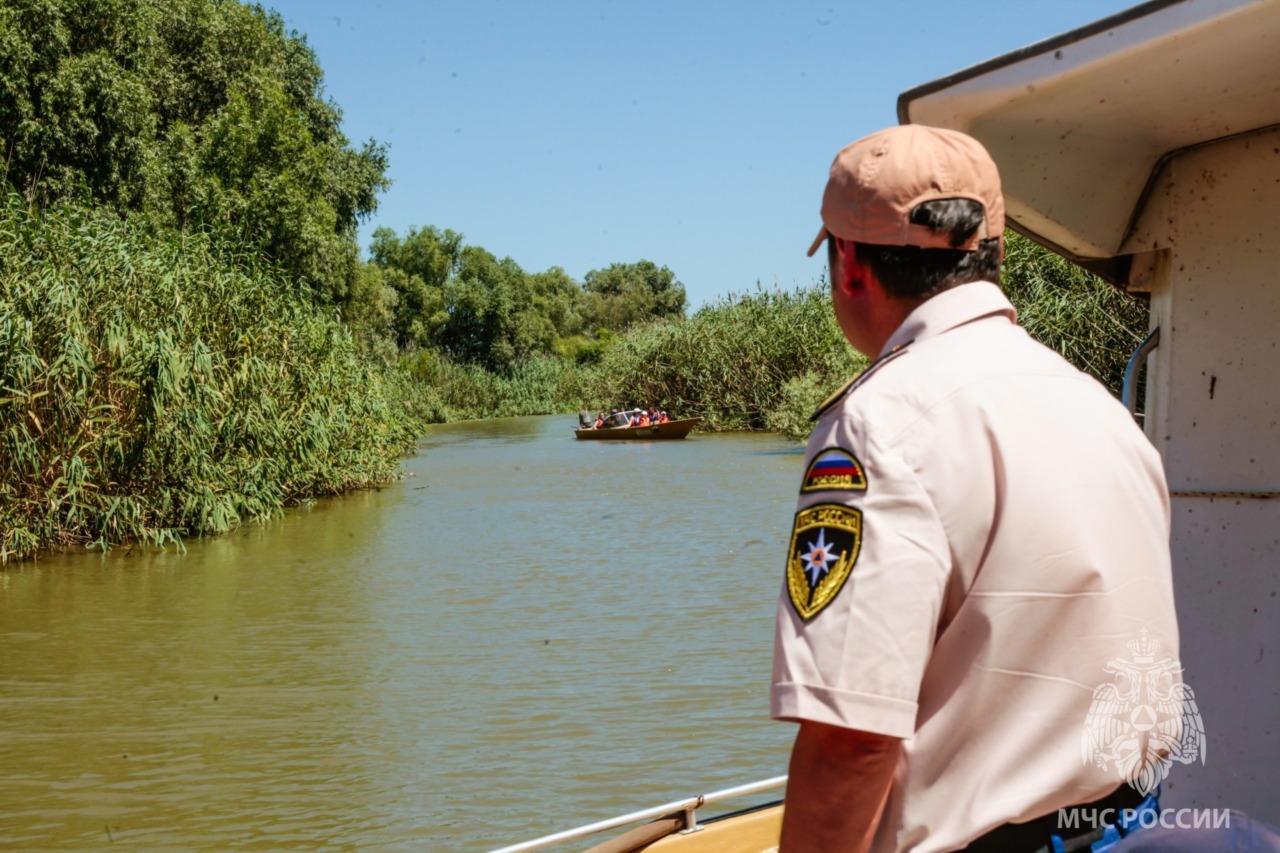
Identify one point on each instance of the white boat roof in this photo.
(1081, 124)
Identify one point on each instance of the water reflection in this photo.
(157, 697)
(527, 633)
(501, 430)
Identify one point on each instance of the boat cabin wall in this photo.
(1213, 411)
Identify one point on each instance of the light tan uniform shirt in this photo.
(1012, 537)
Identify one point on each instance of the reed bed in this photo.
(153, 388)
(1090, 323)
(752, 361)
(446, 391)
(158, 387)
(767, 360)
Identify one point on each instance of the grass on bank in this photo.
(755, 361)
(154, 387)
(442, 391)
(1091, 324)
(762, 360)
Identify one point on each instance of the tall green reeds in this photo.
(753, 361)
(1093, 325)
(446, 391)
(768, 359)
(154, 387)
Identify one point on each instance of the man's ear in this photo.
(855, 274)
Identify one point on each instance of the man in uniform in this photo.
(981, 528)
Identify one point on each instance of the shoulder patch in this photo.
(834, 469)
(824, 546)
(859, 379)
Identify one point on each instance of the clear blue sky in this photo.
(696, 133)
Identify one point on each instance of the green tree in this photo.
(428, 253)
(417, 267)
(622, 295)
(370, 312)
(560, 299)
(198, 114)
(467, 304)
(492, 318)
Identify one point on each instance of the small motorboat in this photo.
(654, 432)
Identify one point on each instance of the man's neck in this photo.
(888, 315)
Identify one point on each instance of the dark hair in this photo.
(909, 272)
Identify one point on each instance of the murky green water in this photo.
(528, 634)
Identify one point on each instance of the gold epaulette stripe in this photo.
(859, 379)
(834, 398)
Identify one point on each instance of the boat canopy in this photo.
(1082, 124)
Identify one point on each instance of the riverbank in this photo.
(159, 387)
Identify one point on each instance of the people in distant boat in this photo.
(639, 417)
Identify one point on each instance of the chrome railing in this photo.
(689, 807)
(1129, 392)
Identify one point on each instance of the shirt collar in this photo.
(950, 308)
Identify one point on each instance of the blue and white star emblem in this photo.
(824, 546)
(818, 559)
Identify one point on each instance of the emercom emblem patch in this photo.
(834, 469)
(824, 547)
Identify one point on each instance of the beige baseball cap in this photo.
(877, 181)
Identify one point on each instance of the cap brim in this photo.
(818, 241)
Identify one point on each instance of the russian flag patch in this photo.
(834, 469)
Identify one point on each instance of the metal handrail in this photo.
(1129, 392)
(688, 806)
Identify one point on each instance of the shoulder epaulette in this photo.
(859, 379)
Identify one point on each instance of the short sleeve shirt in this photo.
(981, 527)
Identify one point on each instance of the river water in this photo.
(526, 634)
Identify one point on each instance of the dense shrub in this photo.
(154, 388)
(447, 391)
(768, 359)
(735, 363)
(1093, 325)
